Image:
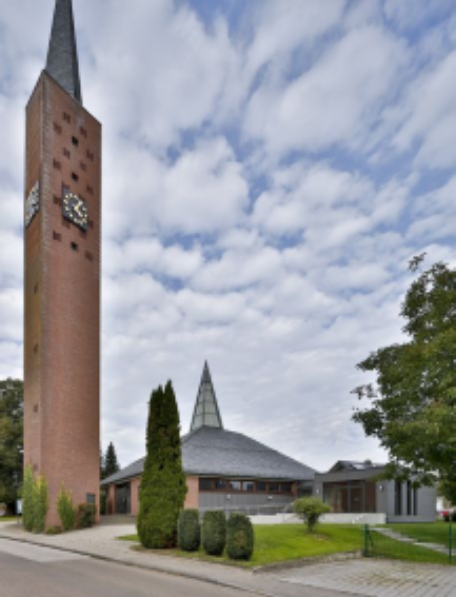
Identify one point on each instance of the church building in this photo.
(225, 470)
(62, 276)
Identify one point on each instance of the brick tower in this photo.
(62, 276)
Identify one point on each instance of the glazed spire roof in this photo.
(206, 413)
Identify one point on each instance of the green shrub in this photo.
(240, 538)
(28, 510)
(213, 532)
(85, 516)
(311, 508)
(189, 531)
(35, 502)
(41, 504)
(65, 508)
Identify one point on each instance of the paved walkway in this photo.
(366, 577)
(404, 539)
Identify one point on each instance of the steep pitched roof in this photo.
(221, 453)
(206, 413)
(62, 59)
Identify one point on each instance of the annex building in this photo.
(224, 469)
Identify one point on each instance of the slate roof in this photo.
(206, 413)
(221, 453)
(62, 59)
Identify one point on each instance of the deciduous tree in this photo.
(413, 402)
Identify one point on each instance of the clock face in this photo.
(32, 204)
(75, 210)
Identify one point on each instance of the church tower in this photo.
(62, 276)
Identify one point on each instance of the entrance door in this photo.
(123, 499)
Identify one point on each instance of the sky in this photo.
(269, 169)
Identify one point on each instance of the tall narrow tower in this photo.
(62, 275)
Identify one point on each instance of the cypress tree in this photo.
(111, 464)
(163, 485)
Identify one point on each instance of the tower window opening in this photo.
(75, 177)
(66, 117)
(74, 246)
(75, 141)
(57, 236)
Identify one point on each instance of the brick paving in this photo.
(377, 578)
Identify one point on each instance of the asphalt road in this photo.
(34, 571)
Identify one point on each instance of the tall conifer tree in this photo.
(111, 463)
(163, 485)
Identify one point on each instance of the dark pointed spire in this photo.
(206, 413)
(62, 60)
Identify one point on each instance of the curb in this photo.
(187, 575)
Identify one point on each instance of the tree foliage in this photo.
(312, 508)
(163, 484)
(35, 502)
(413, 403)
(110, 464)
(11, 440)
(66, 509)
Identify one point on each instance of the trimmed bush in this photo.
(85, 516)
(213, 532)
(27, 500)
(312, 508)
(189, 531)
(240, 538)
(65, 508)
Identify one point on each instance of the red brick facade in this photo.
(62, 297)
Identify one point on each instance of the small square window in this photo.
(57, 128)
(66, 117)
(83, 132)
(75, 177)
(57, 236)
(66, 153)
(74, 246)
(75, 141)
(57, 164)
(56, 200)
(89, 256)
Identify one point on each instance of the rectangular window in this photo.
(57, 128)
(66, 117)
(273, 487)
(75, 177)
(90, 498)
(398, 498)
(57, 165)
(220, 484)
(415, 501)
(57, 236)
(234, 486)
(285, 488)
(66, 153)
(35, 408)
(409, 499)
(83, 132)
(260, 486)
(56, 200)
(74, 246)
(248, 486)
(75, 141)
(205, 484)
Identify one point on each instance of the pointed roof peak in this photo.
(62, 59)
(206, 413)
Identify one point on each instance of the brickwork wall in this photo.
(192, 499)
(62, 297)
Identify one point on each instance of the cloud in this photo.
(267, 175)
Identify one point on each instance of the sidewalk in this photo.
(100, 542)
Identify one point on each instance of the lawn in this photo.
(385, 547)
(433, 532)
(8, 519)
(281, 543)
